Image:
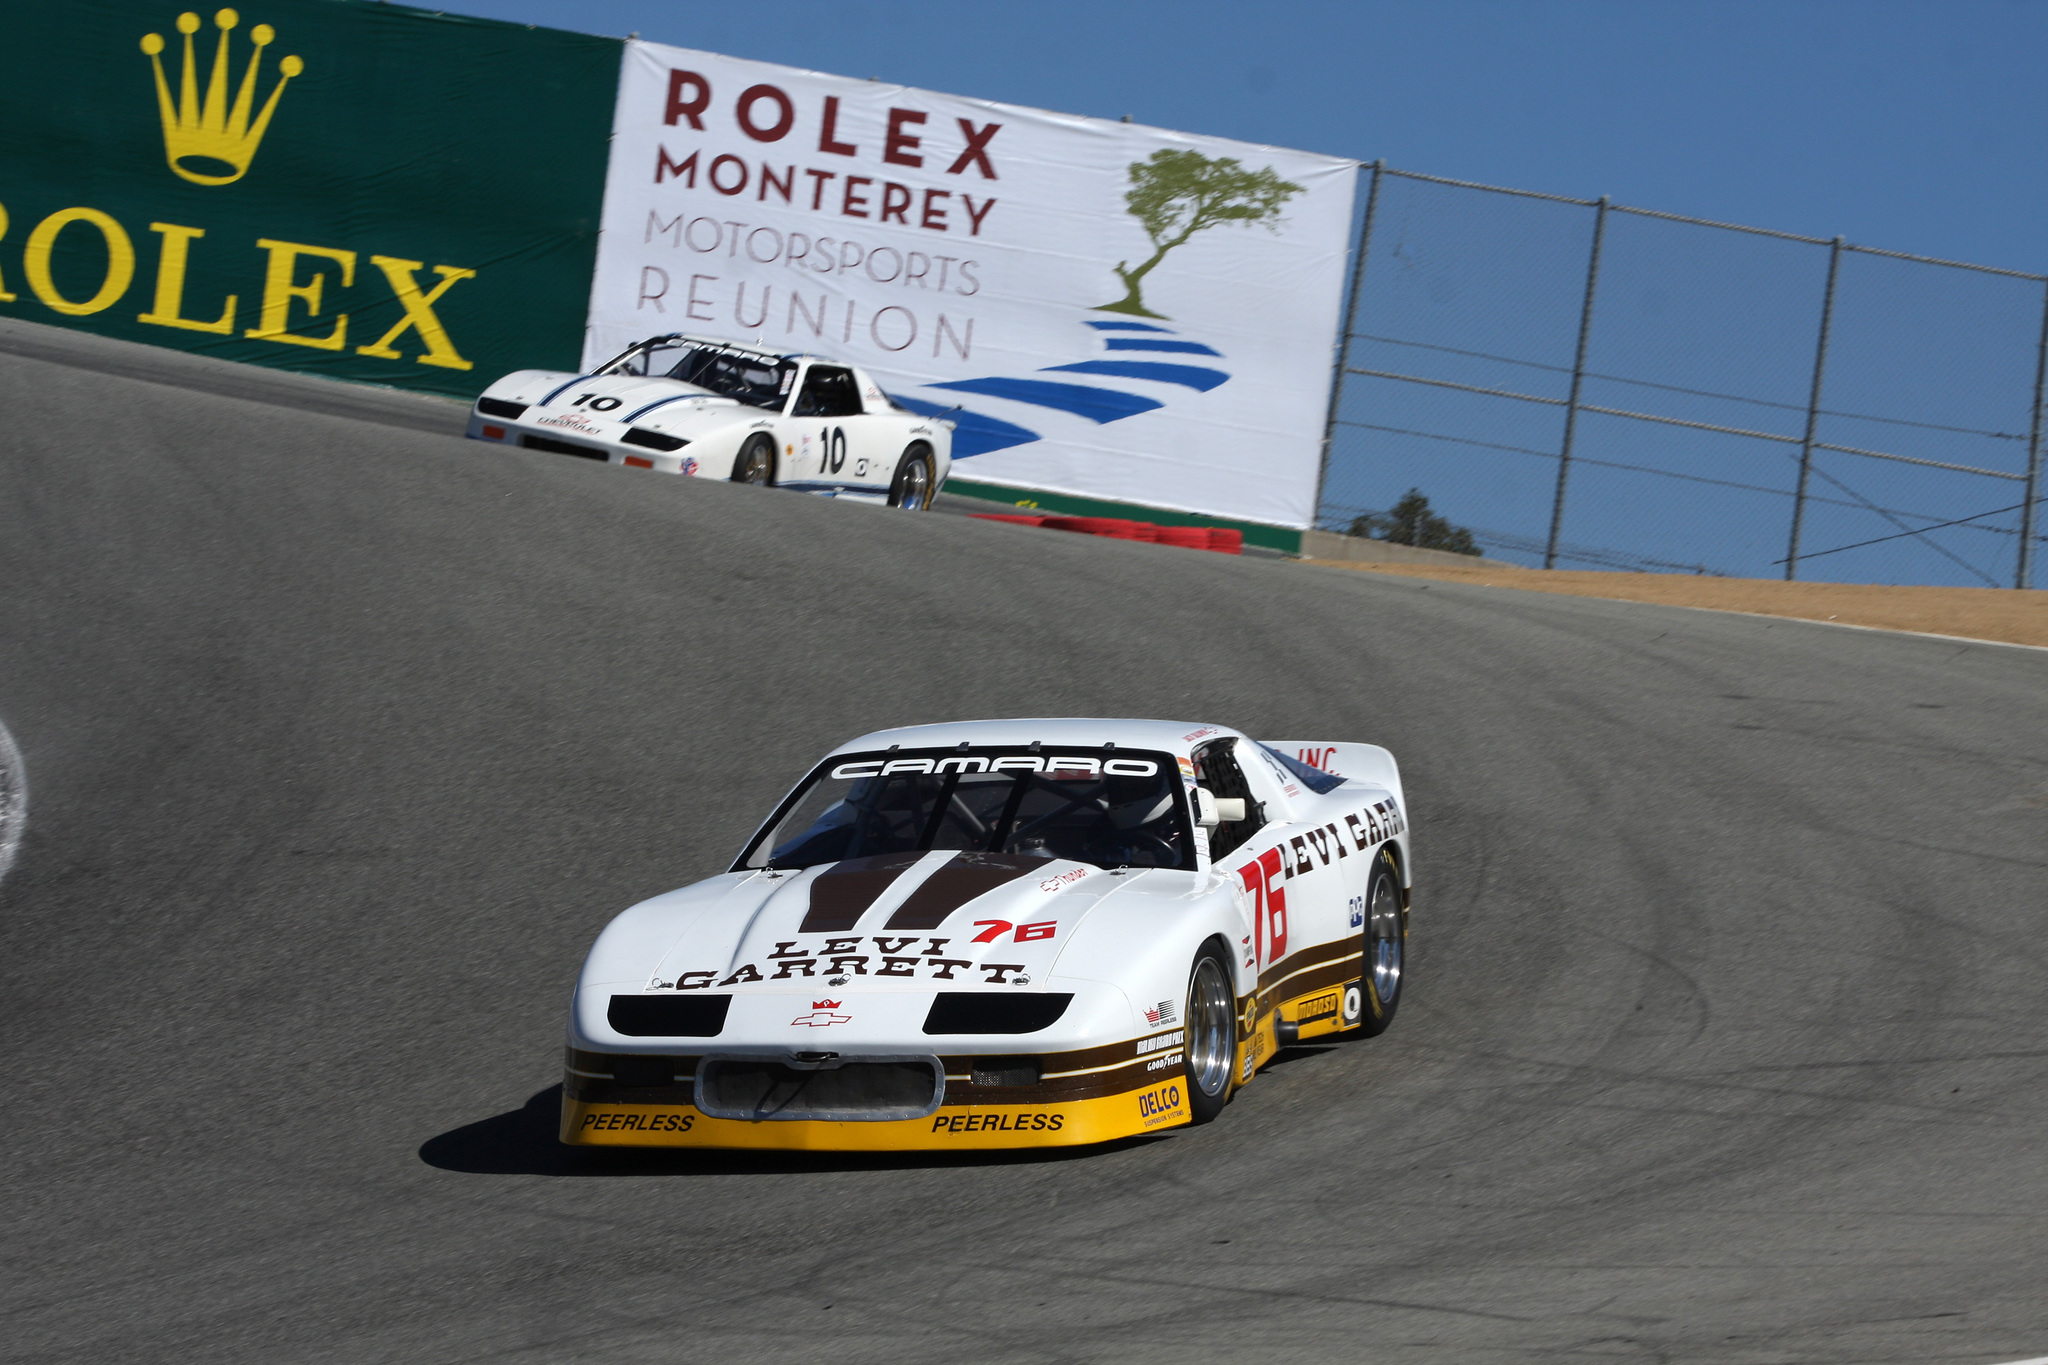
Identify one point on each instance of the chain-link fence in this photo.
(1584, 385)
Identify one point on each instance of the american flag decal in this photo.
(1162, 1015)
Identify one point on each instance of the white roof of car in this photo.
(1172, 736)
(765, 352)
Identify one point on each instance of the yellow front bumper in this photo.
(954, 1127)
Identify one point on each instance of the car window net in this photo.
(1116, 810)
(828, 393)
(754, 380)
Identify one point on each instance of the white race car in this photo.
(716, 409)
(1002, 934)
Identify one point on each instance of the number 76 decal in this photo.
(993, 929)
(1262, 879)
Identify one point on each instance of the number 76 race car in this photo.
(1005, 933)
(714, 409)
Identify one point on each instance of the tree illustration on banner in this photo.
(1177, 194)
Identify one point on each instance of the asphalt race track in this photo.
(1726, 1038)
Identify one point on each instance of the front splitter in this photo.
(951, 1128)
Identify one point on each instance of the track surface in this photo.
(1725, 1041)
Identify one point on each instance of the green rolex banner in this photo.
(360, 190)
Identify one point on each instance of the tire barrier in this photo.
(1221, 539)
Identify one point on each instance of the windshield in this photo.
(756, 380)
(1112, 808)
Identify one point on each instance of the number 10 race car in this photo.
(714, 409)
(1002, 934)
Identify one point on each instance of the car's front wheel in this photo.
(916, 473)
(756, 462)
(1211, 1027)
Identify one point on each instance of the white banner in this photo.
(1116, 311)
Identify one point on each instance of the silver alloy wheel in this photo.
(1383, 940)
(917, 484)
(755, 461)
(1211, 1027)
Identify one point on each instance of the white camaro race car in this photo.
(1002, 934)
(715, 409)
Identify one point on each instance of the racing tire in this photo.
(755, 463)
(1210, 1053)
(1386, 948)
(916, 477)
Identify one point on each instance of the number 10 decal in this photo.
(834, 455)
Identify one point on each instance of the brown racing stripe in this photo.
(844, 891)
(958, 882)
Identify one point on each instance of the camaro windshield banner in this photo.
(369, 191)
(1105, 309)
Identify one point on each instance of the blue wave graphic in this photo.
(974, 433)
(1097, 405)
(1193, 376)
(977, 433)
(1149, 344)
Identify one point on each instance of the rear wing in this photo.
(1364, 762)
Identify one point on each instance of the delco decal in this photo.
(1160, 1105)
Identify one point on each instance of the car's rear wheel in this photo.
(916, 473)
(1211, 1026)
(756, 462)
(1386, 947)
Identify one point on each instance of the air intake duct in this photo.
(668, 1016)
(988, 1012)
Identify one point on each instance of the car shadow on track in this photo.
(523, 1142)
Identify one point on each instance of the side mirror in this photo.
(1212, 810)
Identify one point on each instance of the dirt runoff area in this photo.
(2019, 618)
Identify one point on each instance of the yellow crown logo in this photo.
(211, 144)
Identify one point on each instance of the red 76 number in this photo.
(1269, 904)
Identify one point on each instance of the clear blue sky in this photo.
(1907, 124)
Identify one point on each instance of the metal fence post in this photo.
(1372, 203)
(2024, 577)
(1820, 365)
(1571, 408)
